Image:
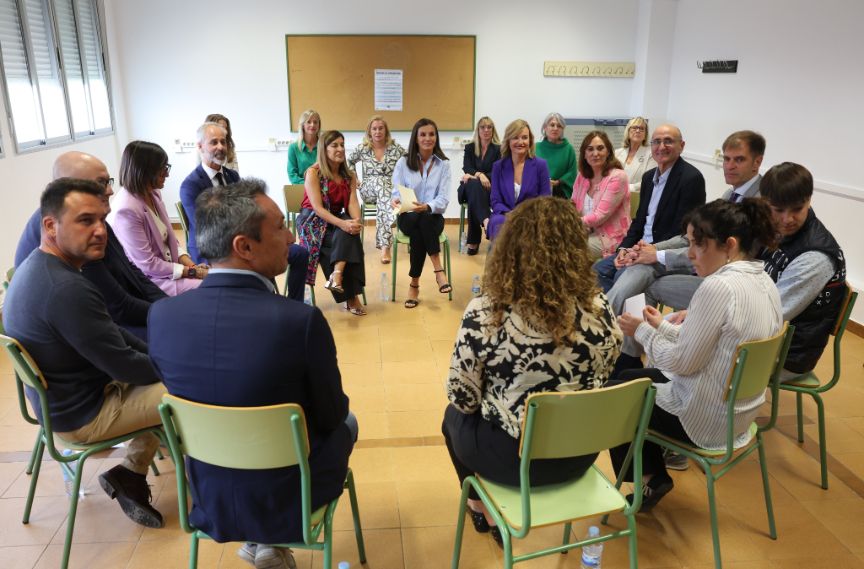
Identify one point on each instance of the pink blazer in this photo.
(131, 220)
(610, 219)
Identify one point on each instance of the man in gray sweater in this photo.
(101, 383)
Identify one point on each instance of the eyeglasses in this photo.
(664, 141)
(639, 128)
(105, 182)
(167, 168)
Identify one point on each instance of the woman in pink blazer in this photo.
(142, 225)
(602, 195)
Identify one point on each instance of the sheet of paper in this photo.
(635, 305)
(388, 90)
(408, 198)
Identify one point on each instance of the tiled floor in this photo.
(394, 362)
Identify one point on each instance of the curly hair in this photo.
(540, 268)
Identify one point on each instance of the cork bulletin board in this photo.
(336, 76)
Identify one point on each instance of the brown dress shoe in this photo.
(133, 493)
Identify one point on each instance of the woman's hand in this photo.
(554, 183)
(677, 317)
(350, 226)
(466, 177)
(396, 203)
(421, 207)
(628, 323)
(484, 181)
(652, 316)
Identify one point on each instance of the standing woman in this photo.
(558, 154)
(378, 153)
(635, 154)
(518, 176)
(231, 154)
(304, 152)
(602, 195)
(329, 223)
(480, 155)
(141, 223)
(425, 170)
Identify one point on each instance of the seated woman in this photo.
(141, 223)
(425, 170)
(602, 195)
(635, 154)
(378, 154)
(540, 310)
(691, 352)
(558, 154)
(480, 155)
(329, 223)
(303, 153)
(518, 176)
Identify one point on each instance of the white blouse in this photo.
(642, 162)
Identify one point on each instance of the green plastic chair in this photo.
(252, 438)
(184, 219)
(634, 203)
(27, 372)
(463, 208)
(757, 366)
(594, 420)
(809, 384)
(401, 238)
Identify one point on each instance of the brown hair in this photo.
(327, 138)
(787, 185)
(611, 162)
(749, 222)
(412, 159)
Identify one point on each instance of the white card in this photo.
(635, 305)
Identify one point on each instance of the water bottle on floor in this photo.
(591, 554)
(307, 295)
(384, 295)
(475, 285)
(343, 565)
(463, 242)
(68, 481)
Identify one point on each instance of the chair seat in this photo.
(405, 240)
(590, 495)
(709, 452)
(808, 379)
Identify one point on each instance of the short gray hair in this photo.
(203, 128)
(224, 212)
(557, 116)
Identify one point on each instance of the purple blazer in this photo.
(535, 183)
(131, 220)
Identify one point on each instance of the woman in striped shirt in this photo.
(691, 352)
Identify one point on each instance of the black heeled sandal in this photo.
(444, 288)
(412, 302)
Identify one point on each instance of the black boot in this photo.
(625, 362)
(133, 493)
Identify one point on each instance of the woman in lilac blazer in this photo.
(142, 225)
(518, 176)
(602, 195)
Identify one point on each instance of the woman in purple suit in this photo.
(141, 222)
(518, 176)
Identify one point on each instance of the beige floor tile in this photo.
(372, 465)
(383, 549)
(45, 517)
(416, 423)
(432, 548)
(427, 504)
(20, 557)
(378, 505)
(843, 518)
(373, 425)
(9, 472)
(423, 464)
(404, 373)
(173, 553)
(17, 437)
(88, 556)
(369, 398)
(820, 562)
(415, 397)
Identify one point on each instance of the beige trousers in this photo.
(126, 408)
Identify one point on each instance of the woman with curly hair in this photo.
(540, 325)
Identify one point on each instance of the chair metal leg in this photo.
(460, 526)
(712, 507)
(154, 468)
(799, 410)
(447, 267)
(461, 225)
(193, 551)
(328, 544)
(363, 293)
(394, 260)
(632, 542)
(567, 529)
(766, 488)
(37, 466)
(823, 450)
(312, 294)
(355, 513)
(33, 453)
(73, 510)
(508, 545)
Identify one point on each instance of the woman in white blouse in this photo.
(691, 352)
(635, 154)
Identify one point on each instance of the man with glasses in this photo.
(668, 193)
(127, 292)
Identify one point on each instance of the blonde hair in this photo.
(323, 163)
(476, 139)
(307, 114)
(635, 121)
(512, 130)
(367, 138)
(541, 269)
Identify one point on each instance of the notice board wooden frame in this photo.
(335, 75)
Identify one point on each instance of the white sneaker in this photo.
(268, 557)
(247, 552)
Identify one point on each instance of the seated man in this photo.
(101, 383)
(127, 292)
(742, 155)
(808, 267)
(263, 349)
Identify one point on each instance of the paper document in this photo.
(408, 197)
(635, 305)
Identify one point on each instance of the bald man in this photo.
(128, 293)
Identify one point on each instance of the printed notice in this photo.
(388, 89)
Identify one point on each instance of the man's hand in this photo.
(652, 316)
(623, 258)
(646, 254)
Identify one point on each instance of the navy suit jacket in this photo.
(252, 347)
(190, 189)
(128, 293)
(684, 191)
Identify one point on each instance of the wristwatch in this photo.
(192, 273)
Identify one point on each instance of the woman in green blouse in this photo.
(558, 154)
(305, 152)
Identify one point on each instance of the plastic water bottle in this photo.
(343, 565)
(463, 242)
(475, 285)
(591, 554)
(68, 481)
(384, 295)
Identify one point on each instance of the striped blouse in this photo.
(736, 304)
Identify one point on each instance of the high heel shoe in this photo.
(444, 288)
(331, 284)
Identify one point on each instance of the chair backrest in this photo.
(184, 219)
(293, 196)
(838, 331)
(28, 373)
(756, 364)
(562, 424)
(634, 203)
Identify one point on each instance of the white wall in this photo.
(798, 83)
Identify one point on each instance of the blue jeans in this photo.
(298, 259)
(606, 272)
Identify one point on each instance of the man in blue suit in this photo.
(235, 342)
(213, 146)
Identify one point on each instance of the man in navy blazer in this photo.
(235, 342)
(668, 193)
(213, 146)
(128, 293)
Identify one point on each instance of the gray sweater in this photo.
(61, 319)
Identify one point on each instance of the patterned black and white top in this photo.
(496, 369)
(377, 175)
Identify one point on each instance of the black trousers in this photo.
(423, 229)
(340, 246)
(661, 421)
(477, 198)
(479, 446)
